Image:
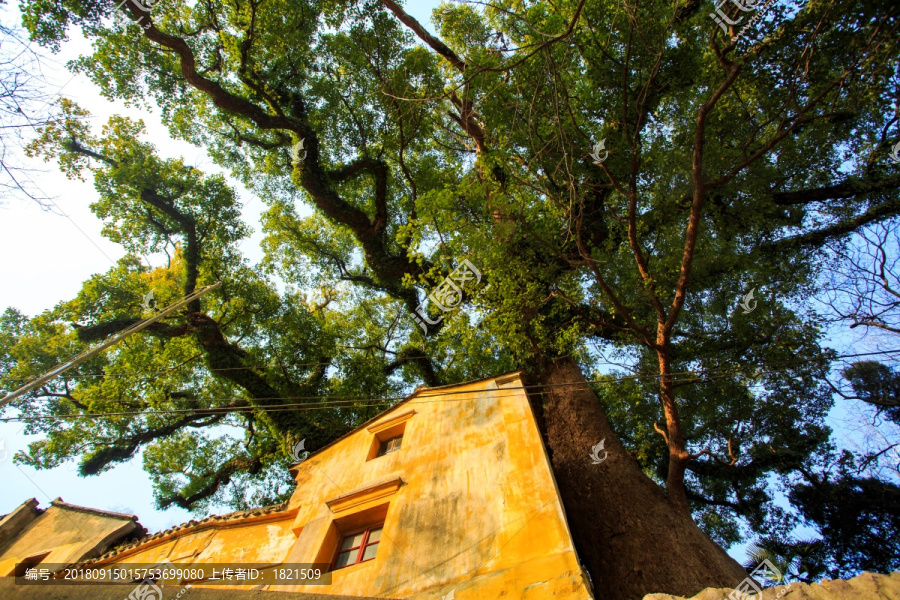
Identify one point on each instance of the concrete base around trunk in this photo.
(10, 591)
(867, 586)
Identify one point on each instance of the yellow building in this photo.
(449, 494)
(62, 534)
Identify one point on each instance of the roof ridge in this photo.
(420, 388)
(60, 503)
(188, 525)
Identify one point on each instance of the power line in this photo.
(327, 402)
(274, 408)
(218, 369)
(693, 373)
(142, 324)
(184, 364)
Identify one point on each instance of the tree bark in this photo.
(631, 538)
(678, 456)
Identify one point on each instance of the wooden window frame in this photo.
(360, 550)
(386, 430)
(389, 445)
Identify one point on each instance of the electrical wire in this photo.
(184, 364)
(328, 402)
(91, 352)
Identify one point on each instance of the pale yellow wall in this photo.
(68, 535)
(255, 540)
(478, 511)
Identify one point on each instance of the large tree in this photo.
(733, 157)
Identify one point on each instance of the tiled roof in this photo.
(59, 503)
(187, 527)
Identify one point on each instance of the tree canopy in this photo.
(637, 187)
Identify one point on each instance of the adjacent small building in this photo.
(448, 494)
(62, 533)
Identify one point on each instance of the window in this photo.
(387, 435)
(358, 547)
(388, 446)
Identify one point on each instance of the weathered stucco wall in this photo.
(264, 538)
(65, 535)
(11, 525)
(477, 510)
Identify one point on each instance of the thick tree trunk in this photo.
(632, 540)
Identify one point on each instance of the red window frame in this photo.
(390, 445)
(360, 550)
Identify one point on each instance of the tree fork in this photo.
(678, 456)
(628, 534)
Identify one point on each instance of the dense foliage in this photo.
(728, 168)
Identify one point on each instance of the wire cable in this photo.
(328, 402)
(184, 364)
